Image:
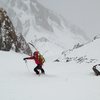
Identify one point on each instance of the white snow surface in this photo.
(62, 81)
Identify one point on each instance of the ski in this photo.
(33, 46)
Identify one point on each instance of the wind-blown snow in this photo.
(62, 81)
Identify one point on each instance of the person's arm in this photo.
(32, 57)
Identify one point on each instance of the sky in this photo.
(83, 13)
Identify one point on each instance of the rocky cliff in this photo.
(9, 39)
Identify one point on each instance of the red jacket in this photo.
(35, 57)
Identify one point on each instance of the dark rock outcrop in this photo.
(9, 38)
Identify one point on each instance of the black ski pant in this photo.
(39, 67)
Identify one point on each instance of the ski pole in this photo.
(27, 65)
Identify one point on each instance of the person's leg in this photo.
(36, 70)
(42, 70)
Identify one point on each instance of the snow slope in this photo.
(87, 53)
(63, 81)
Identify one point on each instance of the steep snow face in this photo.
(32, 13)
(35, 21)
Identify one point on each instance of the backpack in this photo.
(41, 58)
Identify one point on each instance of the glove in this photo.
(24, 58)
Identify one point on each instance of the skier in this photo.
(39, 60)
(96, 69)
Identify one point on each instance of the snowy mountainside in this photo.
(89, 53)
(35, 21)
(31, 13)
